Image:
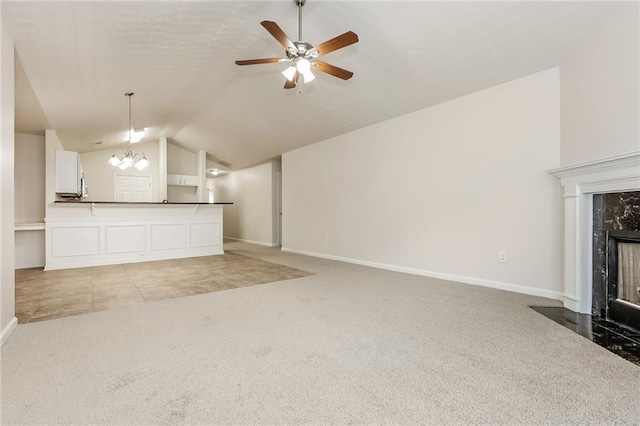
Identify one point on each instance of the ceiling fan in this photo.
(303, 55)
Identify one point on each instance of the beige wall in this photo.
(251, 217)
(440, 191)
(29, 178)
(180, 161)
(7, 214)
(600, 90)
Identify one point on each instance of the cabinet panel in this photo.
(165, 237)
(173, 179)
(189, 180)
(67, 241)
(67, 172)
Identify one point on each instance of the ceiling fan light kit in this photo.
(304, 55)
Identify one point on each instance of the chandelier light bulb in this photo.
(289, 73)
(142, 164)
(126, 162)
(303, 65)
(308, 76)
(114, 161)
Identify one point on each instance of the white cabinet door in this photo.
(67, 172)
(182, 180)
(190, 180)
(173, 179)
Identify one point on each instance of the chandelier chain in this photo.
(129, 95)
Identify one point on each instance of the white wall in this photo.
(29, 249)
(100, 176)
(600, 90)
(181, 162)
(251, 217)
(51, 144)
(29, 178)
(276, 204)
(440, 191)
(7, 215)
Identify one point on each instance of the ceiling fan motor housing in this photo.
(303, 49)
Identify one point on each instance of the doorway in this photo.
(279, 208)
(130, 189)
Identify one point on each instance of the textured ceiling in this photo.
(77, 59)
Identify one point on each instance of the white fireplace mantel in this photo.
(580, 182)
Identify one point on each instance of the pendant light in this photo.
(124, 159)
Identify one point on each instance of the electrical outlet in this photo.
(638, 290)
(502, 256)
(327, 239)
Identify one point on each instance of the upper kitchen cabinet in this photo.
(182, 180)
(68, 173)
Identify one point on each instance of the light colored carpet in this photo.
(348, 345)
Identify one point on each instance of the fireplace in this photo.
(599, 219)
(616, 257)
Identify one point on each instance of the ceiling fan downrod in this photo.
(300, 3)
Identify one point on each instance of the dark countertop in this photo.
(137, 202)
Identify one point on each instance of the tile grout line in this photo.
(93, 309)
(38, 301)
(137, 288)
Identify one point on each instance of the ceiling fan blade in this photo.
(290, 84)
(260, 61)
(332, 69)
(336, 43)
(278, 34)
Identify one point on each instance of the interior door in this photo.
(131, 189)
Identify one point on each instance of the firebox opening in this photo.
(623, 272)
(616, 257)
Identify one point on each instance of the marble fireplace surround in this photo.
(614, 174)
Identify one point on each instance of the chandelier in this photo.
(127, 158)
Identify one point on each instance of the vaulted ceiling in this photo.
(75, 61)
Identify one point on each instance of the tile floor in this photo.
(43, 295)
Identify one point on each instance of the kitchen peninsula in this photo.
(92, 233)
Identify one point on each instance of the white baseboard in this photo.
(6, 332)
(260, 243)
(532, 291)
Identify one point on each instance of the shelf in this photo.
(29, 226)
